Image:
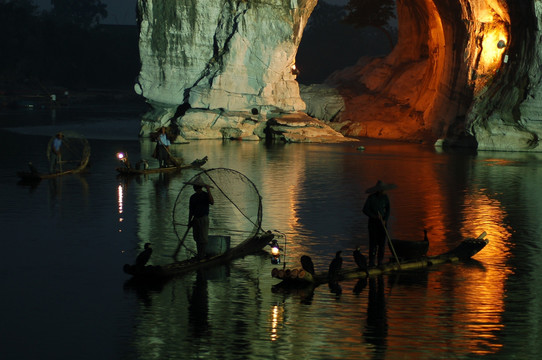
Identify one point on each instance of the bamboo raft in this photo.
(37, 176)
(75, 159)
(129, 171)
(465, 250)
(177, 268)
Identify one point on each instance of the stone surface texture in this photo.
(220, 68)
(463, 73)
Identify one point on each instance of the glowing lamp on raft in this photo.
(275, 252)
(123, 157)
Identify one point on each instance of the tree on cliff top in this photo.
(376, 13)
(84, 13)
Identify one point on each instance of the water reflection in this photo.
(199, 306)
(314, 194)
(376, 327)
(276, 320)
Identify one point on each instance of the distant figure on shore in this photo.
(55, 158)
(162, 148)
(144, 256)
(198, 214)
(377, 208)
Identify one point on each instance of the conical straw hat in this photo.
(198, 181)
(380, 186)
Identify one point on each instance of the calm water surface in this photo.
(64, 242)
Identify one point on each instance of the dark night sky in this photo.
(120, 12)
(123, 12)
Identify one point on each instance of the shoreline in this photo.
(61, 97)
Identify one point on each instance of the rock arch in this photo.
(465, 71)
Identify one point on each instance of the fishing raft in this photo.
(234, 232)
(75, 151)
(142, 169)
(177, 268)
(465, 250)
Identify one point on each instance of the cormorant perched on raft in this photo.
(199, 162)
(361, 261)
(32, 168)
(307, 265)
(335, 266)
(144, 256)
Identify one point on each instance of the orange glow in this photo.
(492, 48)
(489, 39)
(483, 213)
(276, 318)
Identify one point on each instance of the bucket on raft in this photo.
(217, 244)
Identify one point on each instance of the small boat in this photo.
(160, 272)
(141, 168)
(30, 176)
(75, 158)
(408, 250)
(235, 232)
(465, 250)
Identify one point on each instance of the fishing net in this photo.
(237, 209)
(75, 151)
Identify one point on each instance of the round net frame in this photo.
(236, 212)
(75, 151)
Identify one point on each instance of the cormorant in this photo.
(335, 266)
(199, 162)
(307, 265)
(33, 169)
(144, 256)
(425, 235)
(142, 165)
(360, 260)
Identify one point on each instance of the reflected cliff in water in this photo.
(313, 193)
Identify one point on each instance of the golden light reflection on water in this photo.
(120, 201)
(483, 295)
(276, 318)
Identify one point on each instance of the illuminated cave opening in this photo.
(447, 54)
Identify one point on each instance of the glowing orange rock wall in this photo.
(457, 73)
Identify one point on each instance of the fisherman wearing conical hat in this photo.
(377, 208)
(198, 214)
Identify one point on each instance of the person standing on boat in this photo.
(198, 215)
(55, 158)
(377, 208)
(162, 148)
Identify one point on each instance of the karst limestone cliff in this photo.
(463, 73)
(224, 68)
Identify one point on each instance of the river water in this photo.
(64, 242)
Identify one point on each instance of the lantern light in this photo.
(123, 157)
(275, 252)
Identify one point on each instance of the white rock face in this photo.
(220, 68)
(466, 72)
